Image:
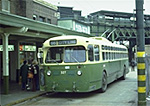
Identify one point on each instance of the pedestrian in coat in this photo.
(36, 75)
(132, 65)
(24, 73)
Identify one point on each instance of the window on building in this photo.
(42, 19)
(5, 5)
(90, 53)
(49, 21)
(34, 17)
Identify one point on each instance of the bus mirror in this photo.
(39, 55)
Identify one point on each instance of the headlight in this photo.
(49, 73)
(79, 73)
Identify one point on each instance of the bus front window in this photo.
(75, 54)
(54, 55)
(71, 54)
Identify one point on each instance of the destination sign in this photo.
(66, 42)
(53, 43)
(63, 42)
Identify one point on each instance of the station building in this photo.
(37, 10)
(24, 26)
(72, 19)
(33, 9)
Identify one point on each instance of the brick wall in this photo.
(18, 7)
(45, 12)
(30, 8)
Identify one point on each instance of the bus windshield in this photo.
(71, 54)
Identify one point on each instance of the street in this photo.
(119, 93)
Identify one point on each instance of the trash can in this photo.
(17, 75)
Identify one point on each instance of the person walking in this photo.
(132, 65)
(24, 74)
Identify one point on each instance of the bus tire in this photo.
(124, 73)
(104, 83)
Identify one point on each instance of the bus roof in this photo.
(83, 40)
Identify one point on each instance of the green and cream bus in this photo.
(80, 64)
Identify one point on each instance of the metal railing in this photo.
(147, 61)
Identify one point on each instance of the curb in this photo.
(25, 99)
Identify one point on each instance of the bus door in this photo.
(40, 55)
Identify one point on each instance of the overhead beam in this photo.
(42, 27)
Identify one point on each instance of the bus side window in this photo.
(106, 55)
(103, 55)
(90, 53)
(96, 52)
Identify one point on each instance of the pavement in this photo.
(16, 95)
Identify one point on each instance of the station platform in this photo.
(16, 95)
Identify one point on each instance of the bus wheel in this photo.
(104, 82)
(124, 73)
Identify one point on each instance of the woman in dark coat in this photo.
(24, 74)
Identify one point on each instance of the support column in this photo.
(18, 55)
(141, 53)
(5, 63)
(17, 62)
(113, 37)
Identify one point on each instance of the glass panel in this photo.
(54, 55)
(75, 54)
(72, 54)
(96, 52)
(103, 55)
(90, 53)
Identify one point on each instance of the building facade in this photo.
(116, 25)
(69, 13)
(37, 10)
(72, 19)
(34, 9)
(75, 25)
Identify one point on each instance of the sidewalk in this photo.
(16, 95)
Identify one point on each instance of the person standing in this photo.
(36, 75)
(24, 74)
(132, 64)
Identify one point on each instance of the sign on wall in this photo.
(10, 47)
(27, 48)
(81, 28)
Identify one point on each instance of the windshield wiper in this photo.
(75, 59)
